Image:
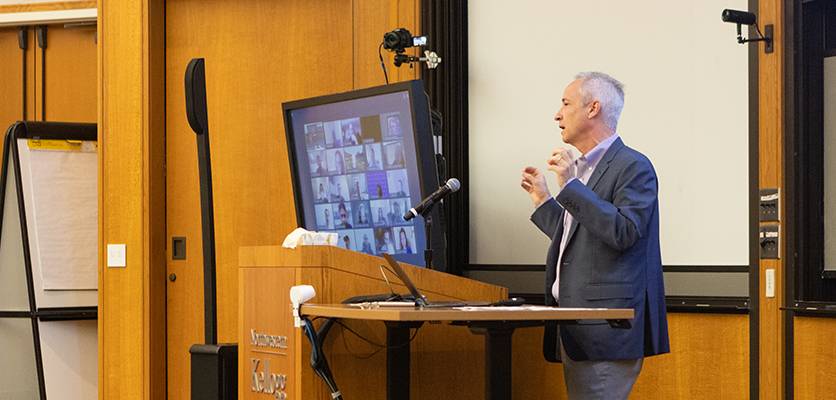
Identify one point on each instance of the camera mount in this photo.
(747, 18)
(432, 59)
(399, 39)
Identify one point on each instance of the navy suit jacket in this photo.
(612, 259)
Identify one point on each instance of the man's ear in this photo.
(593, 109)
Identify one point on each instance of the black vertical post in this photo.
(397, 385)
(497, 359)
(42, 45)
(428, 229)
(397, 358)
(199, 121)
(23, 42)
(214, 366)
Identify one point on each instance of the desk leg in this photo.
(497, 359)
(397, 359)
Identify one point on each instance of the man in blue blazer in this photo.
(604, 225)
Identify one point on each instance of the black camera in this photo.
(739, 17)
(746, 18)
(400, 39)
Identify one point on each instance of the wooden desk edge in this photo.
(452, 314)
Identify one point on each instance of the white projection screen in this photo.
(686, 108)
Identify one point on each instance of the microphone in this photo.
(452, 185)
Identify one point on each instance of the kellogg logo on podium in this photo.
(265, 381)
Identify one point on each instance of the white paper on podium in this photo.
(302, 236)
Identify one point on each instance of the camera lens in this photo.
(398, 39)
(390, 40)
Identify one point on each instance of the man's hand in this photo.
(534, 183)
(563, 164)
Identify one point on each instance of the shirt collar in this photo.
(591, 159)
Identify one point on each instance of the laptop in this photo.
(420, 299)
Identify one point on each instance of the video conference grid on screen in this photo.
(360, 183)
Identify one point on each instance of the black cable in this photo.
(42, 35)
(318, 361)
(382, 346)
(388, 269)
(43, 84)
(379, 346)
(757, 28)
(381, 62)
(24, 44)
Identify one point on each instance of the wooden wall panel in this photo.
(70, 74)
(258, 54)
(372, 19)
(814, 376)
(11, 69)
(131, 199)
(772, 335)
(709, 360)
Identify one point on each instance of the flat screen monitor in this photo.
(359, 161)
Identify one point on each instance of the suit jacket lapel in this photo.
(602, 167)
(604, 163)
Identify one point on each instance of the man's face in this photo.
(342, 215)
(572, 116)
(327, 217)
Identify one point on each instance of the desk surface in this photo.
(521, 313)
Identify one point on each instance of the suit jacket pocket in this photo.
(607, 291)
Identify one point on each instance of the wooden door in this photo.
(258, 54)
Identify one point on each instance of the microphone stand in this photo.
(428, 224)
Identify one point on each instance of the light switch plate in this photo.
(116, 255)
(770, 204)
(770, 242)
(770, 283)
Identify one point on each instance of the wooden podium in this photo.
(274, 356)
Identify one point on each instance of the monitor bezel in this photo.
(422, 134)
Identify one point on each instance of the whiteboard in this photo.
(63, 245)
(686, 108)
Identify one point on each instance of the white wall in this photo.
(686, 108)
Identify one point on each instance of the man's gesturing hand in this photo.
(563, 164)
(534, 183)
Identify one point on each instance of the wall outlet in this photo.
(770, 283)
(117, 255)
